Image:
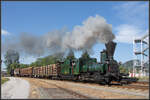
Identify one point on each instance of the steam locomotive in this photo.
(82, 69)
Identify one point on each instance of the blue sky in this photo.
(128, 19)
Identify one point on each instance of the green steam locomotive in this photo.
(82, 69)
(88, 69)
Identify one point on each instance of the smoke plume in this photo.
(93, 30)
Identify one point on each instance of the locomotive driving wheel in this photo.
(108, 81)
(96, 77)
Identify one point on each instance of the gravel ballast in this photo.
(93, 91)
(15, 88)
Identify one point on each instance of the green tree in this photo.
(15, 65)
(11, 59)
(44, 61)
(123, 70)
(85, 55)
(71, 55)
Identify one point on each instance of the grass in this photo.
(3, 80)
(144, 78)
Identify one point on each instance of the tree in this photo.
(14, 65)
(23, 65)
(85, 55)
(11, 59)
(123, 70)
(71, 55)
(44, 61)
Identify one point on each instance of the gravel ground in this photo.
(54, 89)
(15, 88)
(49, 89)
(43, 90)
(102, 92)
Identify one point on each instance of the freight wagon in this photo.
(49, 71)
(26, 71)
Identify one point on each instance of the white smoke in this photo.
(83, 37)
(94, 29)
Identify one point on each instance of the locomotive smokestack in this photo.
(110, 48)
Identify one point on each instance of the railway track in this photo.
(145, 83)
(46, 90)
(133, 86)
(139, 86)
(83, 90)
(125, 89)
(71, 92)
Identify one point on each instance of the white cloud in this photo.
(135, 13)
(126, 33)
(135, 21)
(4, 32)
